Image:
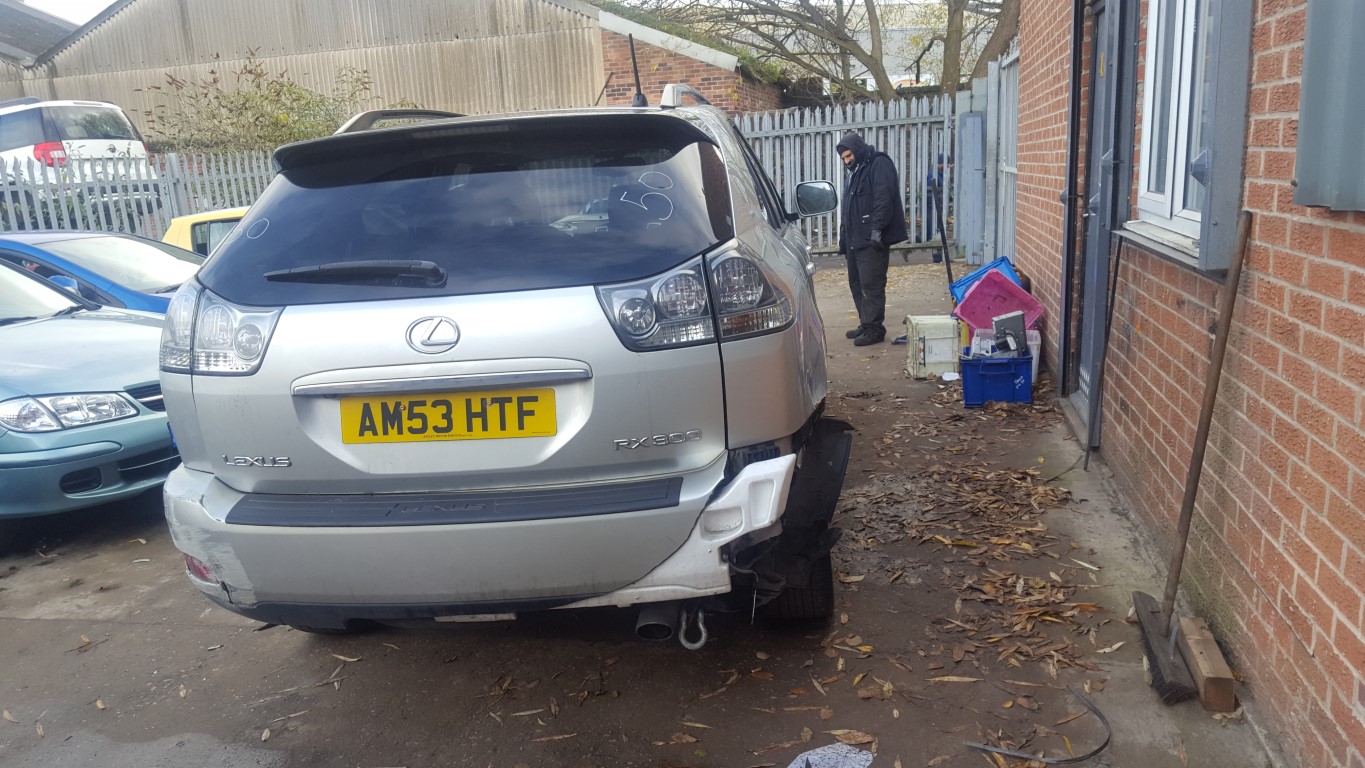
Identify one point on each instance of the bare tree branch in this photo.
(1006, 27)
(835, 39)
(819, 37)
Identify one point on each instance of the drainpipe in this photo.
(1070, 198)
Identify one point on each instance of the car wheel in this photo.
(813, 601)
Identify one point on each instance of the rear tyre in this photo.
(813, 601)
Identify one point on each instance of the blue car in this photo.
(81, 417)
(108, 268)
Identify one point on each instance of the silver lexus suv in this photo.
(401, 393)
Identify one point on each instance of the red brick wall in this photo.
(731, 91)
(1044, 69)
(1277, 553)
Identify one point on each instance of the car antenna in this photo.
(638, 100)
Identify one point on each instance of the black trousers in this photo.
(867, 281)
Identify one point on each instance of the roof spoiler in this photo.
(366, 120)
(20, 101)
(675, 92)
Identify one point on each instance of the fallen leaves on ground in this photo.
(778, 745)
(734, 677)
(678, 738)
(852, 738)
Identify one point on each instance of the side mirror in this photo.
(815, 197)
(66, 282)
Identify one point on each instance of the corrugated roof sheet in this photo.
(471, 56)
(27, 32)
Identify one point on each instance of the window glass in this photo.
(206, 235)
(21, 129)
(142, 265)
(1161, 96)
(22, 296)
(518, 205)
(767, 194)
(1201, 94)
(91, 123)
(1180, 91)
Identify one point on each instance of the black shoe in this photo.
(853, 334)
(868, 338)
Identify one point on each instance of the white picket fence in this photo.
(796, 145)
(124, 194)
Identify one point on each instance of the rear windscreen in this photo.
(91, 124)
(514, 206)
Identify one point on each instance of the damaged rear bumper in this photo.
(324, 576)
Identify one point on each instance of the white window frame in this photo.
(1168, 210)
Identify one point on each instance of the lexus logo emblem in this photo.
(433, 335)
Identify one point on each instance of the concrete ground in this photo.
(982, 575)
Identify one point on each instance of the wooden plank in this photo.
(1211, 673)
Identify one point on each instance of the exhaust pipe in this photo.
(658, 622)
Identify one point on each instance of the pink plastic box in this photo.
(994, 295)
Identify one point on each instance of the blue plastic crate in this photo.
(996, 379)
(960, 286)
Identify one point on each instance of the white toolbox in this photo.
(931, 345)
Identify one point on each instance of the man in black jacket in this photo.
(873, 220)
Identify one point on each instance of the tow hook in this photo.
(688, 615)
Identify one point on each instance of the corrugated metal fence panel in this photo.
(1005, 118)
(798, 145)
(969, 220)
(1331, 152)
(476, 56)
(127, 194)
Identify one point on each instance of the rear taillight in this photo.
(664, 312)
(50, 153)
(679, 309)
(206, 335)
(747, 301)
(199, 570)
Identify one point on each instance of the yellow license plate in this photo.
(448, 416)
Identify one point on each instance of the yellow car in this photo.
(202, 232)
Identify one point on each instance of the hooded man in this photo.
(873, 219)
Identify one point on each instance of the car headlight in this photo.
(53, 412)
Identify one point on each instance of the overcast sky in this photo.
(74, 11)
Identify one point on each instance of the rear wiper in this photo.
(342, 270)
(9, 320)
(71, 310)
